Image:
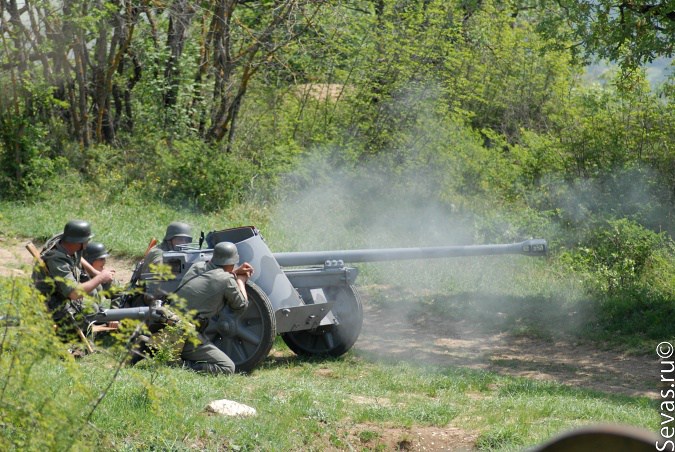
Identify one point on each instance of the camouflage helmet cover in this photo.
(77, 231)
(95, 250)
(178, 229)
(225, 253)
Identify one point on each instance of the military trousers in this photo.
(206, 357)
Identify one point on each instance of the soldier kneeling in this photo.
(207, 288)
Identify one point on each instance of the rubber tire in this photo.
(254, 330)
(331, 340)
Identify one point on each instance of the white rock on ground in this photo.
(230, 408)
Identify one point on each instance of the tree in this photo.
(631, 32)
(90, 55)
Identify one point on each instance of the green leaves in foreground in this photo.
(43, 405)
(46, 398)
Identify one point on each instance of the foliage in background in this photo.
(629, 272)
(632, 33)
(620, 253)
(469, 93)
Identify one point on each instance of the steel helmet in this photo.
(94, 251)
(178, 229)
(225, 253)
(77, 231)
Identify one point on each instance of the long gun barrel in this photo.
(532, 247)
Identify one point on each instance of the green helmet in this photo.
(77, 231)
(94, 251)
(225, 253)
(177, 229)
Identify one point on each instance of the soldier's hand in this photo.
(244, 269)
(106, 276)
(167, 316)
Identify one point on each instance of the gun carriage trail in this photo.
(454, 342)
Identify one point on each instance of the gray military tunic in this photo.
(155, 256)
(207, 289)
(56, 280)
(151, 288)
(61, 278)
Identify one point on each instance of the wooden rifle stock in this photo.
(34, 252)
(135, 276)
(151, 245)
(91, 271)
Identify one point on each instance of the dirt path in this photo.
(390, 335)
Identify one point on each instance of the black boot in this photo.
(140, 350)
(202, 366)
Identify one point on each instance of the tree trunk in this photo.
(180, 18)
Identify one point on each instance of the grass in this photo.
(313, 405)
(353, 403)
(125, 228)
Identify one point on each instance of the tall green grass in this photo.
(125, 227)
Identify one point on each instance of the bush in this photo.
(635, 313)
(48, 401)
(37, 411)
(26, 167)
(629, 272)
(619, 254)
(190, 173)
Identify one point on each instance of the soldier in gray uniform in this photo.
(177, 233)
(96, 254)
(207, 288)
(59, 279)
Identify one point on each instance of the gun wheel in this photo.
(332, 340)
(245, 337)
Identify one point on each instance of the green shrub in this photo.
(636, 313)
(43, 404)
(47, 400)
(192, 173)
(629, 272)
(620, 254)
(26, 166)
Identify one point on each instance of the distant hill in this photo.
(657, 71)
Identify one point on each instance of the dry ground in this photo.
(388, 334)
(392, 334)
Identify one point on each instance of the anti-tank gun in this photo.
(317, 309)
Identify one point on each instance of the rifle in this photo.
(38, 261)
(135, 276)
